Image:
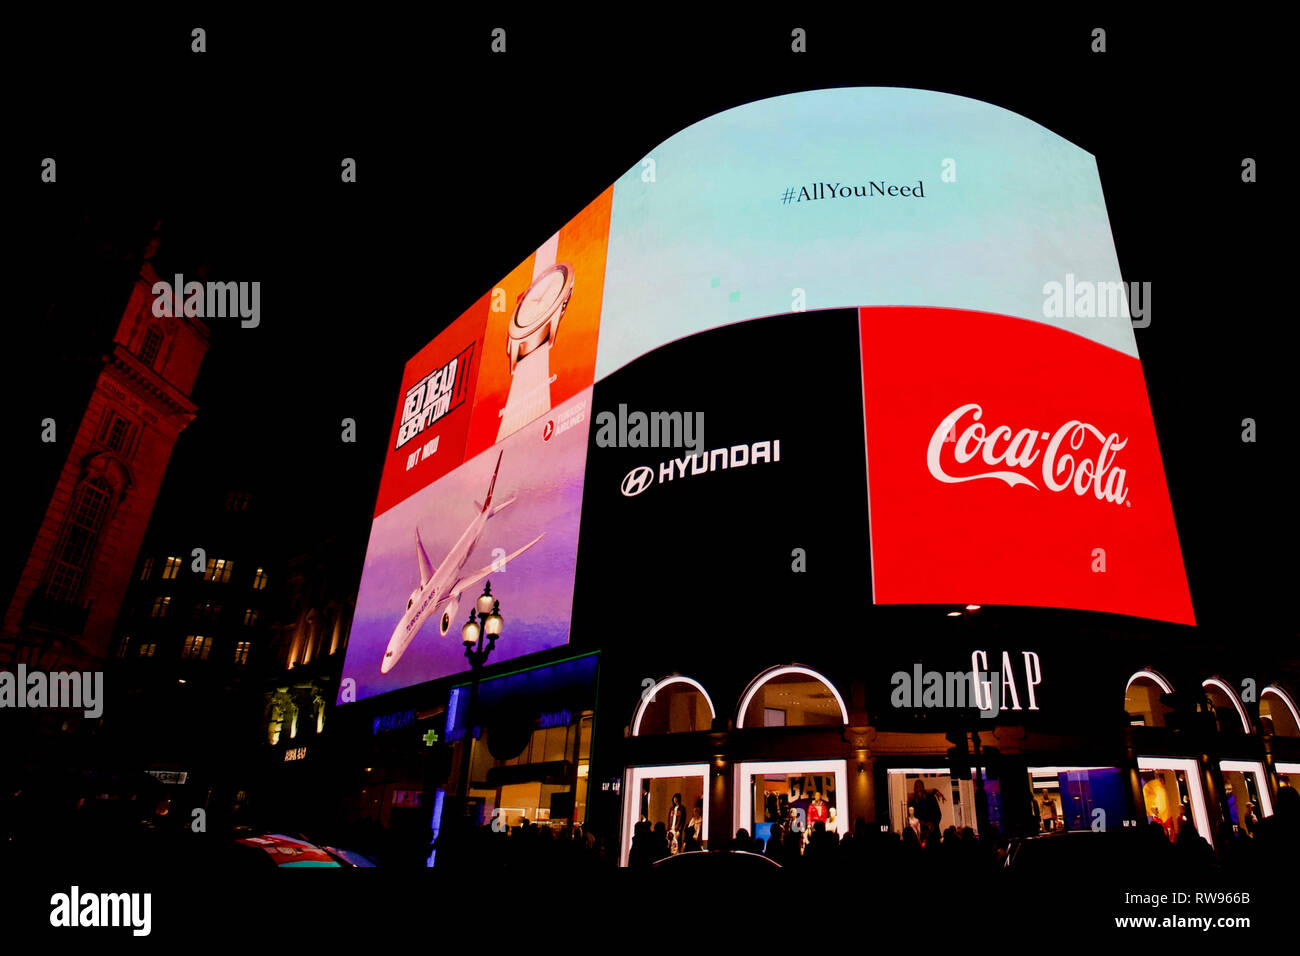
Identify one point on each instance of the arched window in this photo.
(675, 705)
(1227, 706)
(791, 696)
(1278, 713)
(76, 544)
(1142, 699)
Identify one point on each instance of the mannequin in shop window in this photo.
(1251, 820)
(913, 823)
(1048, 812)
(691, 844)
(676, 825)
(772, 809)
(696, 822)
(925, 804)
(818, 811)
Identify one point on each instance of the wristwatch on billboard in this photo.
(529, 338)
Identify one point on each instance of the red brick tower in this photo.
(67, 597)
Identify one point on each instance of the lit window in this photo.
(197, 647)
(146, 650)
(160, 606)
(147, 569)
(218, 570)
(250, 617)
(123, 647)
(77, 542)
(259, 580)
(173, 568)
(241, 652)
(150, 347)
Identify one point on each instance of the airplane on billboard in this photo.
(442, 586)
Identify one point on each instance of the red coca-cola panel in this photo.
(1011, 462)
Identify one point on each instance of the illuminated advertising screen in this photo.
(958, 253)
(508, 517)
(1013, 462)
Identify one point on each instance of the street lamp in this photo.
(484, 621)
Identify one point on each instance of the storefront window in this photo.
(529, 745)
(928, 802)
(1288, 774)
(795, 795)
(1245, 794)
(545, 782)
(1077, 798)
(672, 797)
(796, 803)
(1172, 796)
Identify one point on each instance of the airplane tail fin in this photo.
(426, 568)
(487, 502)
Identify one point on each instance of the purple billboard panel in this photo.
(508, 516)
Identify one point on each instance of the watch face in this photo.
(542, 300)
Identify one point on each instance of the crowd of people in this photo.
(869, 848)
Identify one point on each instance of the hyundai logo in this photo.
(637, 481)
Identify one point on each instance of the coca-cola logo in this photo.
(1077, 456)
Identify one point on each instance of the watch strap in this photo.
(530, 391)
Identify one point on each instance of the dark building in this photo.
(299, 777)
(193, 638)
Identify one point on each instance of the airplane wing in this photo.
(474, 577)
(426, 569)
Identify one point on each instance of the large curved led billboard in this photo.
(1011, 455)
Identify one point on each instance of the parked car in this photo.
(279, 850)
(715, 863)
(1104, 855)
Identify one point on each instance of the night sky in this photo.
(467, 162)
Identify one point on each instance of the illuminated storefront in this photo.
(530, 751)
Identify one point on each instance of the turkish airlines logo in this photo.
(1058, 468)
(637, 480)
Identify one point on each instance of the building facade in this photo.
(70, 590)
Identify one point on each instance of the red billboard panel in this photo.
(1012, 462)
(433, 413)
